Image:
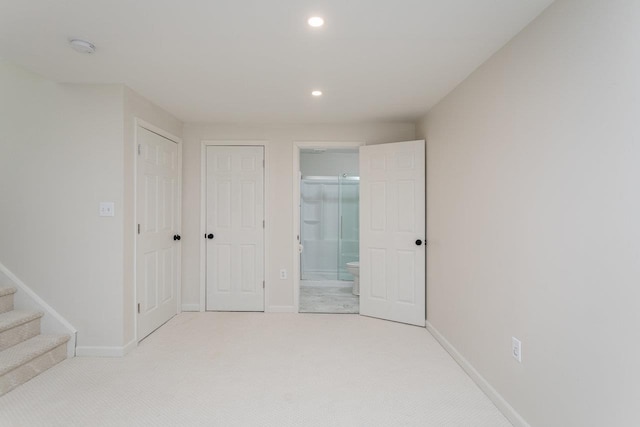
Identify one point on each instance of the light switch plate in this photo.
(516, 349)
(107, 209)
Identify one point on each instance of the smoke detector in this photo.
(82, 46)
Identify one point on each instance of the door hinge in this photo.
(263, 223)
(139, 149)
(263, 163)
(138, 308)
(138, 228)
(263, 284)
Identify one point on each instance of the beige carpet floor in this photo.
(253, 369)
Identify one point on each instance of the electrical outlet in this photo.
(516, 349)
(283, 273)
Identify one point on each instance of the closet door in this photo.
(235, 228)
(158, 241)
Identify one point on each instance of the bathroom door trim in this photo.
(203, 214)
(297, 145)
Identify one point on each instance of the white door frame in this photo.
(203, 214)
(297, 145)
(139, 123)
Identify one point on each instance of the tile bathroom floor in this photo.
(328, 296)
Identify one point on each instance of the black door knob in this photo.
(210, 236)
(418, 242)
(176, 237)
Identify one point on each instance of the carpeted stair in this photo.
(24, 352)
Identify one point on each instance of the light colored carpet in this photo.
(328, 297)
(255, 369)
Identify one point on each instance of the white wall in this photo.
(279, 194)
(533, 216)
(329, 163)
(60, 155)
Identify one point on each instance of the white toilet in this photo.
(354, 269)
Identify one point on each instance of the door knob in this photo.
(418, 242)
(176, 237)
(210, 236)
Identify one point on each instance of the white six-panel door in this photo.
(235, 228)
(157, 254)
(392, 232)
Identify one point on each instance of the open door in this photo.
(392, 232)
(158, 238)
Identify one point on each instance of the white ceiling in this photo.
(257, 60)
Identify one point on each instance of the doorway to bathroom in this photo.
(327, 231)
(392, 245)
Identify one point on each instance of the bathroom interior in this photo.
(329, 231)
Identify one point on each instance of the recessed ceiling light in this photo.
(82, 46)
(316, 93)
(316, 21)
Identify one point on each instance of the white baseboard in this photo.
(52, 322)
(129, 346)
(507, 410)
(89, 351)
(280, 309)
(190, 307)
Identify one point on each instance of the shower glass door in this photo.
(320, 226)
(329, 226)
(349, 231)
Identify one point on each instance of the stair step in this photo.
(6, 299)
(8, 290)
(17, 326)
(20, 363)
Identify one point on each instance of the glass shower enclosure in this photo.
(329, 226)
